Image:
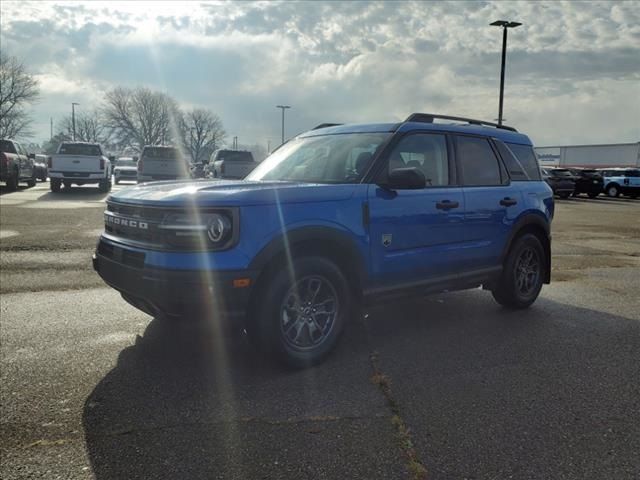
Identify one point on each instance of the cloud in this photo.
(572, 73)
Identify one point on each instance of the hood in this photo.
(231, 193)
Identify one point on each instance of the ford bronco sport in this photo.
(336, 218)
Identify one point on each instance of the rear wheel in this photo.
(32, 181)
(299, 320)
(67, 185)
(613, 191)
(55, 185)
(104, 186)
(523, 273)
(564, 195)
(593, 195)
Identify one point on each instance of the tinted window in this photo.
(426, 152)
(632, 173)
(515, 168)
(477, 161)
(7, 147)
(80, 149)
(234, 156)
(527, 158)
(166, 153)
(561, 172)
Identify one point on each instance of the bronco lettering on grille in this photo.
(125, 222)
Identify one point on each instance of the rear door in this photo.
(417, 235)
(492, 202)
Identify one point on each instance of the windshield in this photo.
(340, 158)
(80, 149)
(125, 163)
(7, 147)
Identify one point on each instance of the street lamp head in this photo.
(505, 24)
(283, 106)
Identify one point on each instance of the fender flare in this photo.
(539, 222)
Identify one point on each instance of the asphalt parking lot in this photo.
(446, 387)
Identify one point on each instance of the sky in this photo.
(572, 77)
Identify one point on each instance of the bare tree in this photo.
(18, 88)
(90, 127)
(139, 117)
(202, 132)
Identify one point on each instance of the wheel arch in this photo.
(538, 226)
(326, 242)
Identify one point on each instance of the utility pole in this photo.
(268, 146)
(283, 108)
(505, 25)
(51, 131)
(73, 118)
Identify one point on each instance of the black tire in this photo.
(104, 186)
(593, 195)
(284, 298)
(515, 288)
(117, 182)
(55, 185)
(613, 191)
(67, 185)
(12, 182)
(32, 181)
(564, 195)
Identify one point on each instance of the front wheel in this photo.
(12, 183)
(523, 273)
(32, 181)
(299, 319)
(593, 195)
(564, 195)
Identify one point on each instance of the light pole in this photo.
(73, 118)
(505, 25)
(283, 108)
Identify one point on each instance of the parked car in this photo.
(198, 170)
(40, 166)
(338, 217)
(79, 163)
(560, 180)
(15, 165)
(588, 181)
(162, 162)
(126, 169)
(625, 181)
(231, 164)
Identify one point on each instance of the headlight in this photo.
(198, 230)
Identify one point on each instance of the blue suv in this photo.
(339, 217)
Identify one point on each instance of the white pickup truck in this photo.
(79, 163)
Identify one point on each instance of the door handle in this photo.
(508, 202)
(447, 205)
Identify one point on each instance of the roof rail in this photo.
(325, 125)
(429, 117)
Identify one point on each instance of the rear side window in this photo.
(515, 168)
(7, 147)
(477, 161)
(427, 153)
(527, 158)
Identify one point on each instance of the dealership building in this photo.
(593, 156)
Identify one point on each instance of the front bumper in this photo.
(163, 291)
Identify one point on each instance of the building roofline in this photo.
(592, 145)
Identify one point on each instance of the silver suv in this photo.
(160, 162)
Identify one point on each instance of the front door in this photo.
(415, 234)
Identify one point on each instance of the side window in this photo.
(477, 161)
(426, 152)
(527, 158)
(515, 168)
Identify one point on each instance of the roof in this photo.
(504, 135)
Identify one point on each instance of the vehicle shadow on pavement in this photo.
(74, 194)
(183, 403)
(485, 392)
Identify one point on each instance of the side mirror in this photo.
(32, 156)
(406, 178)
